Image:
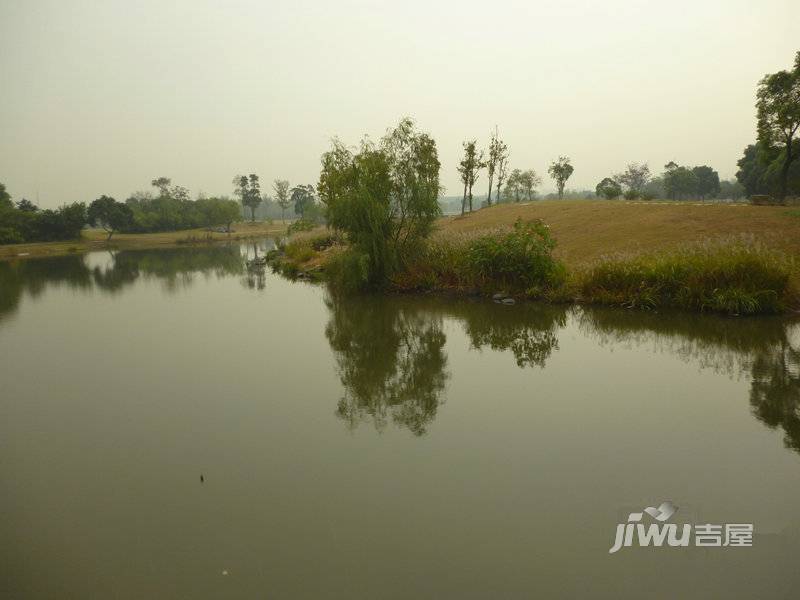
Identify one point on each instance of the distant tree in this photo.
(608, 189)
(529, 181)
(227, 213)
(218, 211)
(248, 189)
(561, 170)
(514, 189)
(281, 189)
(497, 150)
(707, 182)
(778, 112)
(502, 166)
(112, 216)
(302, 196)
(168, 191)
(5, 197)
(468, 169)
(634, 178)
(162, 184)
(62, 224)
(654, 189)
(731, 189)
(679, 182)
(27, 206)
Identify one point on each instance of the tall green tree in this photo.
(497, 150)
(468, 169)
(561, 170)
(303, 198)
(778, 111)
(502, 168)
(529, 181)
(281, 189)
(514, 186)
(248, 189)
(706, 181)
(679, 182)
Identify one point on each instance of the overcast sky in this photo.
(101, 97)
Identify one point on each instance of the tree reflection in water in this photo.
(775, 391)
(391, 351)
(391, 358)
(766, 349)
(174, 267)
(391, 361)
(529, 330)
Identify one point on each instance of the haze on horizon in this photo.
(101, 97)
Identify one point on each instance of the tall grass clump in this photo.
(518, 260)
(734, 277)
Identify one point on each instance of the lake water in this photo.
(377, 447)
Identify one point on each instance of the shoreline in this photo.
(95, 239)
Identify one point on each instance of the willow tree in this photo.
(383, 197)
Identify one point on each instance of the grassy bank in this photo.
(95, 239)
(733, 259)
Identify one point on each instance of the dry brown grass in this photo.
(588, 229)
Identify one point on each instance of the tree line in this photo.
(675, 183)
(519, 184)
(167, 208)
(302, 197)
(23, 221)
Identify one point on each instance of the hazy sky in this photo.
(101, 97)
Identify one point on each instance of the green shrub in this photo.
(322, 242)
(299, 252)
(630, 195)
(301, 225)
(349, 270)
(518, 258)
(729, 277)
(9, 235)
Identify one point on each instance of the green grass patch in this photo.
(517, 260)
(738, 278)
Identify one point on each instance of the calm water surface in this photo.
(376, 447)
